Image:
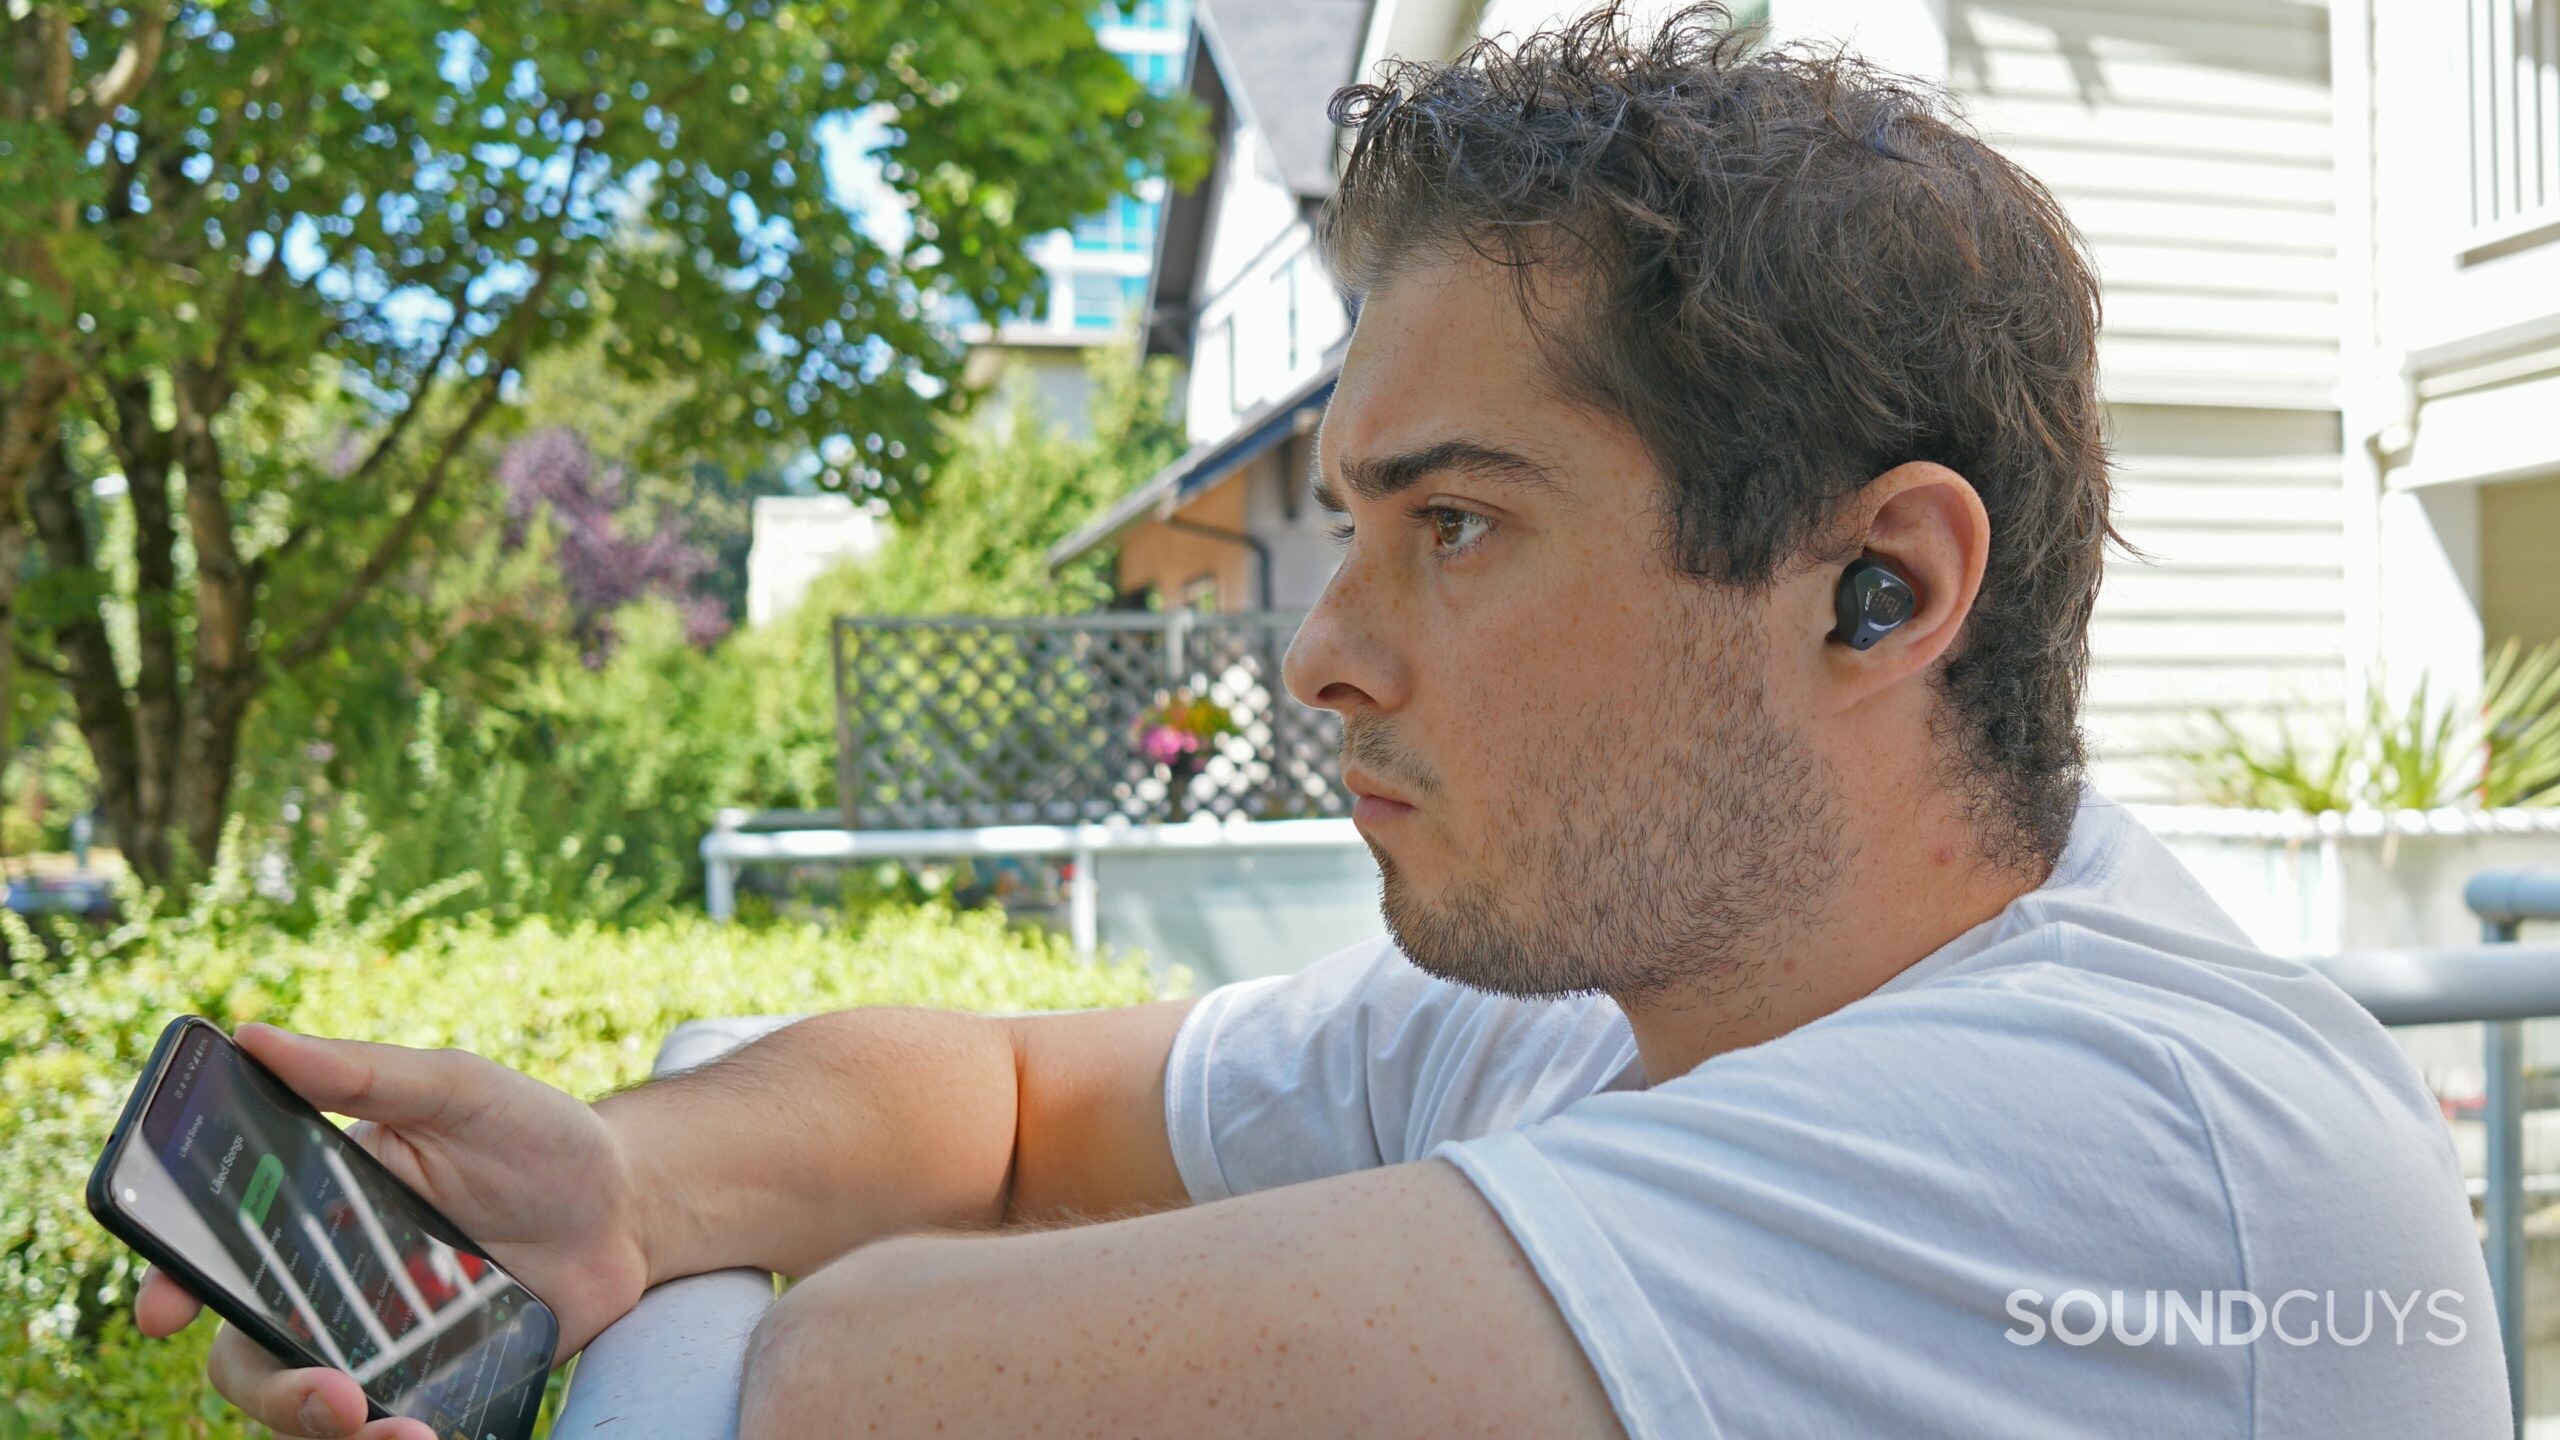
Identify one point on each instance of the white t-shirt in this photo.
(1907, 1218)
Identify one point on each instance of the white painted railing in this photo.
(2513, 72)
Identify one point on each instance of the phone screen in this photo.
(274, 1205)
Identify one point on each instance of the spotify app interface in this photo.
(336, 1257)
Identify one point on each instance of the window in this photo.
(1103, 302)
(1126, 226)
(1159, 70)
(1235, 389)
(1201, 594)
(1289, 312)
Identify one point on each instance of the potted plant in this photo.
(1175, 734)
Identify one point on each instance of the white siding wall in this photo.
(2192, 144)
(1269, 311)
(1278, 508)
(2465, 371)
(2242, 603)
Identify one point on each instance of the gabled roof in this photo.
(1283, 60)
(1208, 462)
(1276, 63)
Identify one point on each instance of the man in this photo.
(1776, 1036)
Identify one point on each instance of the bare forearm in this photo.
(822, 1136)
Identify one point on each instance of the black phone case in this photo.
(102, 1204)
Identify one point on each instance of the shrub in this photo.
(582, 1006)
(2502, 749)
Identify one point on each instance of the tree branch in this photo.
(145, 451)
(97, 692)
(33, 661)
(91, 104)
(314, 637)
(389, 440)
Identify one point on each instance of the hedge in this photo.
(581, 1007)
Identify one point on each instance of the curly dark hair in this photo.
(1794, 272)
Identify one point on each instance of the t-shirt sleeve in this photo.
(1363, 1060)
(1823, 1238)
(1270, 1081)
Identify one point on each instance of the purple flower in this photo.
(605, 560)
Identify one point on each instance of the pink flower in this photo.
(1162, 744)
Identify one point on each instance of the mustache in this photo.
(1371, 746)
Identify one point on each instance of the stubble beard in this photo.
(1666, 873)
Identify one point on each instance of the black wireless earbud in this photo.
(1871, 603)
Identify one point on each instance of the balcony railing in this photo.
(2513, 71)
(958, 722)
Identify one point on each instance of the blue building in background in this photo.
(1095, 272)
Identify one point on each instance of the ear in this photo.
(1927, 523)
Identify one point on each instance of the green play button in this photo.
(262, 1189)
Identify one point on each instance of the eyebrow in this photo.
(1381, 476)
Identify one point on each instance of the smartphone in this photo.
(283, 1226)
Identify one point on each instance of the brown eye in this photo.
(1450, 528)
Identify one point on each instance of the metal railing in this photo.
(2499, 984)
(2504, 900)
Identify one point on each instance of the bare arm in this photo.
(1386, 1302)
(847, 1127)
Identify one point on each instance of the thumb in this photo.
(392, 1084)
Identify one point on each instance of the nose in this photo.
(1344, 656)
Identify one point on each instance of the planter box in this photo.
(2361, 880)
(1233, 916)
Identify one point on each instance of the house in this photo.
(2449, 232)
(1238, 294)
(1093, 277)
(794, 539)
(2324, 354)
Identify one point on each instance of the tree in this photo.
(978, 545)
(233, 227)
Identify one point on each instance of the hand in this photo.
(528, 1171)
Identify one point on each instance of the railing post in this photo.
(2504, 899)
(719, 872)
(2502, 1203)
(1084, 905)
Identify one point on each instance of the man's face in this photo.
(1607, 790)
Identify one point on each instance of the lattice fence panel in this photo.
(1284, 764)
(954, 722)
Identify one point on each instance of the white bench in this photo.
(669, 1370)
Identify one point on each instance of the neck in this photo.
(1895, 905)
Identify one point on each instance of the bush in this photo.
(582, 1006)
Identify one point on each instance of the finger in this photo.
(311, 1401)
(396, 1429)
(368, 1137)
(162, 1306)
(390, 1083)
